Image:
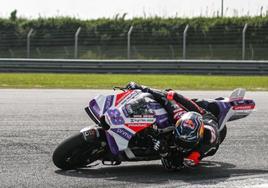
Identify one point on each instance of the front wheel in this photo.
(75, 152)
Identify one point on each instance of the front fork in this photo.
(90, 134)
(96, 136)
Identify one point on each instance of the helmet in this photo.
(189, 130)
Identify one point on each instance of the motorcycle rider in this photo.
(196, 130)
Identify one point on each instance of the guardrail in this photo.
(220, 67)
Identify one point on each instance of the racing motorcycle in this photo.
(128, 125)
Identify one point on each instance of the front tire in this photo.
(73, 152)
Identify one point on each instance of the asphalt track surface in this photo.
(34, 122)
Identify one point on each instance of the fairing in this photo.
(125, 120)
(123, 125)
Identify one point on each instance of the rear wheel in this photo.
(223, 133)
(75, 152)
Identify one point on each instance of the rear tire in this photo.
(68, 155)
(223, 133)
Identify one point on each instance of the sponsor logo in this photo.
(124, 133)
(189, 124)
(138, 124)
(122, 98)
(143, 116)
(142, 120)
(129, 96)
(244, 107)
(163, 120)
(108, 103)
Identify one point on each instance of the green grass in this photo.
(107, 81)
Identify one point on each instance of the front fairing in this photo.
(123, 125)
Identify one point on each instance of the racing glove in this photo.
(156, 144)
(192, 160)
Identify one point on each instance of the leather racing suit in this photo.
(176, 105)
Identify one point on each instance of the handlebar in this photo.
(120, 88)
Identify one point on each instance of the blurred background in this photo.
(192, 29)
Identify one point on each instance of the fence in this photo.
(238, 43)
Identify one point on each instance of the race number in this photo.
(116, 117)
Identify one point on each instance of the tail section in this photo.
(237, 94)
(235, 107)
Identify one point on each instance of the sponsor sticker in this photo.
(244, 107)
(137, 124)
(143, 116)
(108, 103)
(123, 133)
(141, 120)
